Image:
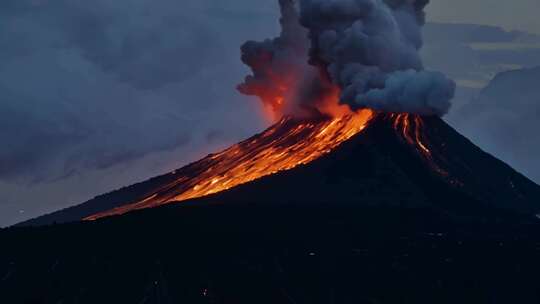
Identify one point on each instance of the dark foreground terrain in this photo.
(274, 254)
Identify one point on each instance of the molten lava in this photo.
(411, 128)
(286, 145)
(412, 134)
(289, 143)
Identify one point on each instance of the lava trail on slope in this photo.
(289, 143)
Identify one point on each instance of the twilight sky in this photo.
(96, 95)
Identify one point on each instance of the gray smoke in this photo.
(283, 78)
(370, 48)
(279, 65)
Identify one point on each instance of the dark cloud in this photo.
(369, 49)
(61, 107)
(87, 85)
(125, 41)
(96, 95)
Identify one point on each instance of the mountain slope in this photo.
(396, 160)
(389, 167)
(283, 146)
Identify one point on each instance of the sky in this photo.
(511, 15)
(96, 95)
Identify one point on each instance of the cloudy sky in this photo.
(95, 95)
(512, 15)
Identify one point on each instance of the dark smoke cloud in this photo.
(370, 48)
(279, 65)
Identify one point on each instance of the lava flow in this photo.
(402, 122)
(286, 145)
(412, 130)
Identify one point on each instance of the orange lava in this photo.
(412, 127)
(284, 146)
(403, 122)
(330, 106)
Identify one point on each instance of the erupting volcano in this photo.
(358, 188)
(341, 76)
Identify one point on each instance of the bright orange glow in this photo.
(330, 106)
(284, 146)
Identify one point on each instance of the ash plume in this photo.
(367, 48)
(278, 64)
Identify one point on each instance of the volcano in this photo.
(363, 195)
(364, 158)
(326, 210)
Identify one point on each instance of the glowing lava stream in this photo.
(412, 128)
(286, 145)
(405, 120)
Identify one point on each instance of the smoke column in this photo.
(278, 64)
(368, 49)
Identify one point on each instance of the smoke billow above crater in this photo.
(368, 49)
